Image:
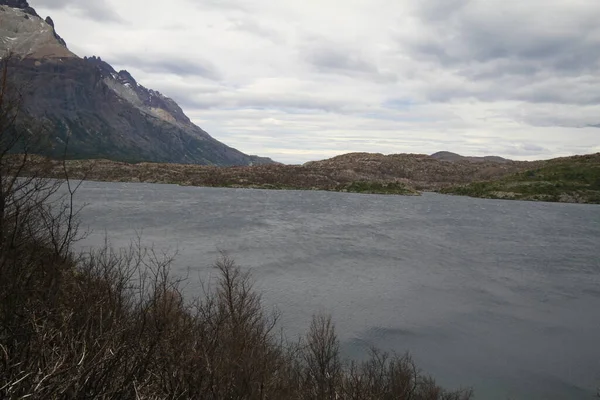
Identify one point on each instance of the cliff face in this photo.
(99, 112)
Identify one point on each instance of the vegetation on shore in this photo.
(378, 188)
(570, 179)
(273, 177)
(403, 174)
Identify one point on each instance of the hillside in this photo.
(355, 172)
(570, 179)
(98, 111)
(419, 170)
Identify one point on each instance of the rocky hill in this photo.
(98, 111)
(419, 170)
(355, 172)
(570, 179)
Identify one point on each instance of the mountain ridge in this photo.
(97, 111)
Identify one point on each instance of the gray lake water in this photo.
(503, 296)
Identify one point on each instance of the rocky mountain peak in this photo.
(22, 4)
(126, 78)
(105, 68)
(14, 3)
(50, 22)
(24, 33)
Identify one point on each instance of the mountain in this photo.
(452, 157)
(96, 111)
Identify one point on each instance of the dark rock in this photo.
(125, 77)
(105, 68)
(22, 4)
(15, 3)
(50, 22)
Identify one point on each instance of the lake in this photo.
(503, 296)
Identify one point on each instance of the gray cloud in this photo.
(579, 90)
(98, 10)
(544, 115)
(463, 31)
(251, 25)
(439, 10)
(524, 53)
(335, 59)
(258, 101)
(167, 65)
(523, 149)
(222, 4)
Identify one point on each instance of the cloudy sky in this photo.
(308, 79)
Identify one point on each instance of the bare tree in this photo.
(322, 360)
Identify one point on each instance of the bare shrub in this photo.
(321, 360)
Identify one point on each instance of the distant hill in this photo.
(421, 171)
(354, 172)
(452, 157)
(569, 179)
(101, 112)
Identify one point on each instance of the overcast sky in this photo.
(308, 79)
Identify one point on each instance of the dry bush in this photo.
(320, 357)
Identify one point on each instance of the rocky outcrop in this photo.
(21, 4)
(50, 22)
